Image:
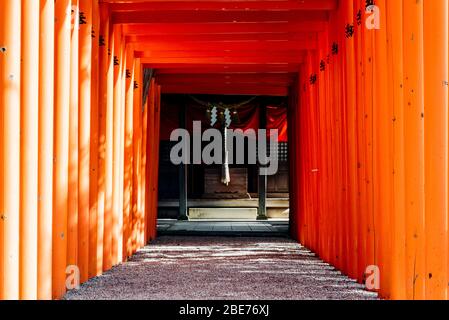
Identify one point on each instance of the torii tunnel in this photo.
(80, 97)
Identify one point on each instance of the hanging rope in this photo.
(223, 112)
(222, 105)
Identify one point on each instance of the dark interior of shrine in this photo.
(196, 190)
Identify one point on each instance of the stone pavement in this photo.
(273, 228)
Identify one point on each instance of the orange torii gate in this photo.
(368, 128)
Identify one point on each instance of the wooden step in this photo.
(222, 213)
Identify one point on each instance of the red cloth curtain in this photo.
(277, 119)
(248, 118)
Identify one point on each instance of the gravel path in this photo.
(191, 268)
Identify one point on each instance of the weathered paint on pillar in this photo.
(1, 167)
(29, 127)
(94, 234)
(46, 125)
(116, 208)
(85, 84)
(396, 101)
(109, 148)
(61, 161)
(414, 149)
(10, 102)
(436, 146)
(73, 205)
(128, 159)
(103, 43)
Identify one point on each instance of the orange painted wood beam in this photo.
(226, 59)
(241, 89)
(436, 146)
(219, 56)
(395, 36)
(117, 208)
(223, 68)
(144, 168)
(29, 126)
(414, 149)
(46, 139)
(138, 178)
(10, 24)
(361, 156)
(73, 192)
(85, 101)
(352, 143)
(268, 28)
(228, 46)
(383, 159)
(129, 156)
(95, 225)
(61, 151)
(177, 39)
(280, 79)
(106, 133)
(150, 166)
(157, 124)
(179, 16)
(222, 5)
(123, 66)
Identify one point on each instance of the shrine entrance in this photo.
(230, 195)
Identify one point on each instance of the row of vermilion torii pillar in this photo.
(368, 137)
(369, 147)
(78, 158)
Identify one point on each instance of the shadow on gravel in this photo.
(190, 268)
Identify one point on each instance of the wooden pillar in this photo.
(144, 168)
(436, 146)
(46, 125)
(29, 151)
(1, 159)
(120, 229)
(116, 208)
(395, 38)
(262, 179)
(350, 93)
(72, 218)
(361, 152)
(103, 40)
(85, 83)
(150, 165)
(323, 149)
(368, 54)
(383, 158)
(107, 94)
(157, 123)
(137, 148)
(128, 159)
(61, 162)
(10, 102)
(293, 160)
(414, 149)
(182, 170)
(94, 257)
